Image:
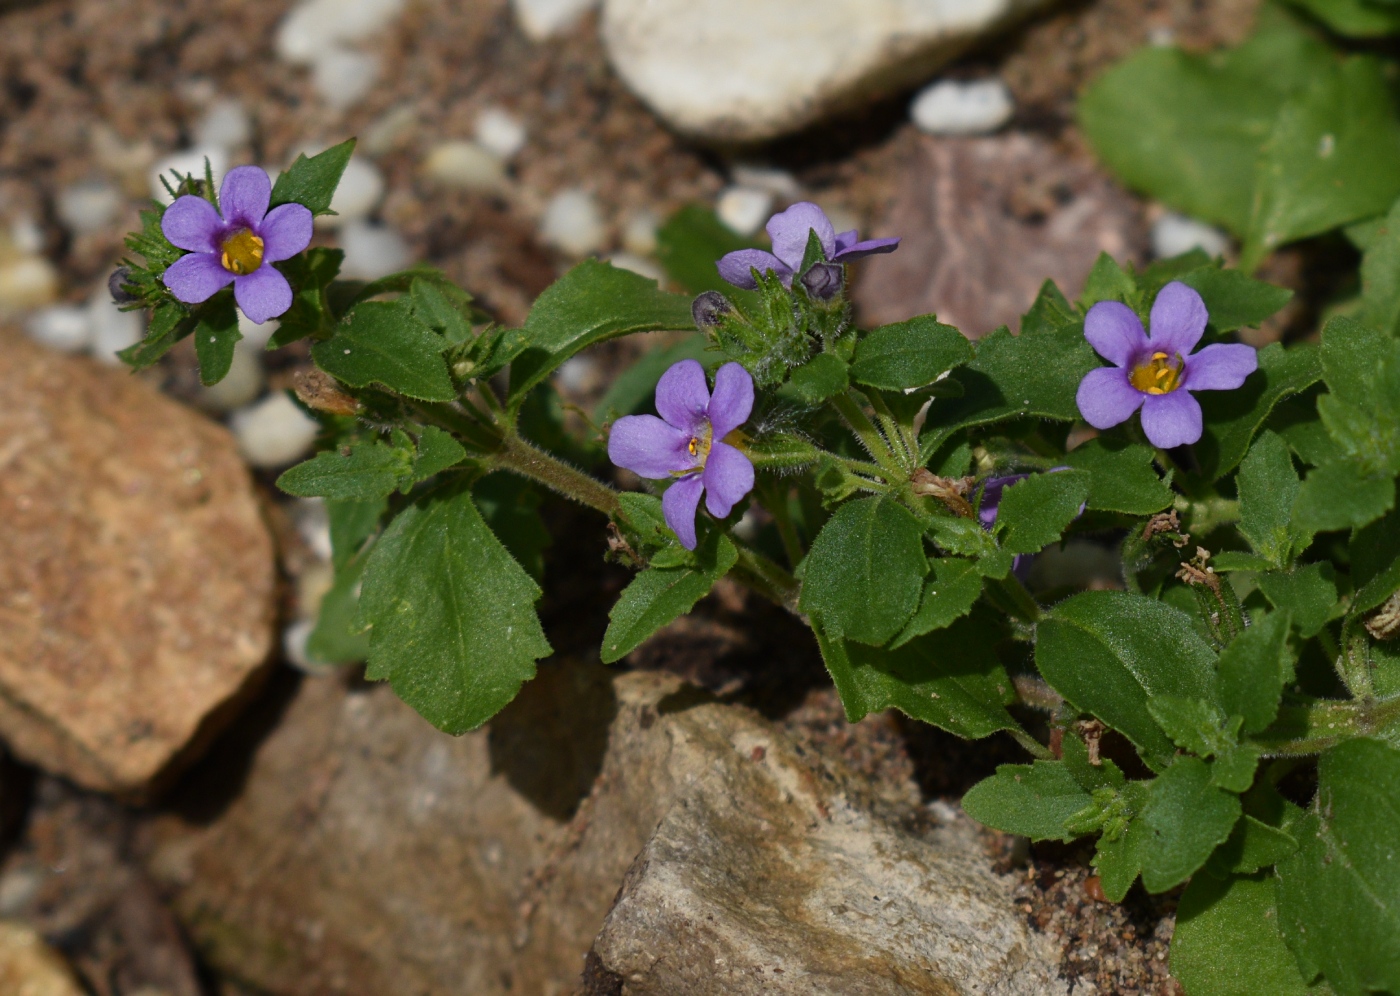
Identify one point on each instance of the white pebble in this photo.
(294, 639)
(744, 209)
(541, 19)
(361, 188)
(500, 132)
(465, 166)
(112, 329)
(189, 162)
(384, 133)
(1174, 234)
(778, 182)
(274, 432)
(26, 235)
(573, 224)
(639, 234)
(312, 26)
(64, 327)
(242, 384)
(26, 282)
(225, 125)
(648, 268)
(343, 77)
(372, 251)
(313, 522)
(954, 107)
(89, 206)
(579, 374)
(257, 336)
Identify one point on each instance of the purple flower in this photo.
(687, 443)
(788, 231)
(1157, 373)
(235, 244)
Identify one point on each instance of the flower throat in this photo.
(1159, 375)
(242, 252)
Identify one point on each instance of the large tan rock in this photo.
(29, 967)
(136, 574)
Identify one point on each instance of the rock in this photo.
(1174, 234)
(274, 432)
(88, 207)
(572, 223)
(367, 853)
(372, 251)
(190, 162)
(500, 133)
(465, 166)
(388, 130)
(112, 329)
(136, 574)
(343, 77)
(64, 327)
(29, 967)
(955, 107)
(778, 182)
(316, 25)
(360, 190)
(542, 19)
(744, 209)
(26, 282)
(224, 125)
(640, 265)
(639, 234)
(242, 384)
(985, 221)
(736, 71)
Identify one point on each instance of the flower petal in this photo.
(192, 223)
(1106, 398)
(869, 247)
(244, 195)
(844, 240)
(1178, 319)
(735, 266)
(789, 229)
(678, 505)
(1221, 367)
(728, 477)
(1172, 419)
(197, 277)
(285, 232)
(732, 401)
(262, 294)
(682, 396)
(1115, 332)
(648, 447)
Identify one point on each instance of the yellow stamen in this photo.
(242, 252)
(1159, 375)
(699, 450)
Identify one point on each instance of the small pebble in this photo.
(257, 336)
(343, 77)
(112, 329)
(242, 384)
(26, 282)
(465, 166)
(1174, 234)
(955, 107)
(639, 234)
(274, 432)
(88, 207)
(778, 182)
(579, 374)
(64, 327)
(372, 251)
(26, 235)
(744, 209)
(385, 133)
(190, 161)
(500, 132)
(361, 188)
(573, 224)
(313, 522)
(294, 639)
(542, 19)
(313, 26)
(648, 268)
(225, 125)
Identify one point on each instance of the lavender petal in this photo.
(844, 240)
(991, 497)
(1172, 419)
(1221, 367)
(732, 401)
(197, 277)
(870, 247)
(678, 506)
(1105, 397)
(193, 224)
(734, 267)
(244, 196)
(648, 447)
(262, 294)
(789, 229)
(285, 232)
(1115, 332)
(682, 396)
(728, 477)
(1178, 319)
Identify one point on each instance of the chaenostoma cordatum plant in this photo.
(1229, 716)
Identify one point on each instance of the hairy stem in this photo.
(767, 578)
(869, 436)
(1312, 728)
(518, 455)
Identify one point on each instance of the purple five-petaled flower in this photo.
(1157, 373)
(236, 243)
(687, 443)
(789, 232)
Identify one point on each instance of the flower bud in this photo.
(823, 281)
(116, 286)
(709, 309)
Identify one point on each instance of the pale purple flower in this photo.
(236, 243)
(789, 231)
(1157, 373)
(687, 443)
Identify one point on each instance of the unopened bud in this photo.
(116, 286)
(709, 309)
(823, 281)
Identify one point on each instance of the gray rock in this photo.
(733, 70)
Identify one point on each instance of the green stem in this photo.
(869, 436)
(767, 578)
(1014, 598)
(908, 455)
(1313, 728)
(1034, 746)
(468, 427)
(775, 499)
(1354, 664)
(518, 455)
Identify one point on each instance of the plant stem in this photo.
(1021, 604)
(1312, 728)
(775, 499)
(767, 578)
(869, 436)
(518, 455)
(469, 428)
(1354, 664)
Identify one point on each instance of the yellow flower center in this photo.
(242, 252)
(699, 450)
(1159, 375)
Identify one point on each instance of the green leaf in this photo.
(948, 595)
(1375, 563)
(689, 244)
(1339, 896)
(593, 302)
(1253, 845)
(309, 273)
(819, 378)
(1362, 409)
(1380, 275)
(382, 342)
(909, 354)
(312, 181)
(1108, 652)
(1233, 417)
(1185, 819)
(451, 614)
(437, 451)
(950, 678)
(1091, 775)
(1035, 512)
(436, 309)
(1107, 281)
(1253, 670)
(1234, 299)
(169, 324)
(510, 506)
(1356, 18)
(215, 337)
(352, 522)
(1032, 800)
(1268, 487)
(1050, 311)
(339, 638)
(1121, 476)
(362, 471)
(1340, 496)
(1200, 727)
(1227, 941)
(1330, 159)
(655, 597)
(1308, 593)
(864, 573)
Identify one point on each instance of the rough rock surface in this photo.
(985, 221)
(29, 967)
(368, 853)
(737, 71)
(136, 574)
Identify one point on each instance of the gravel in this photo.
(953, 107)
(573, 224)
(274, 432)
